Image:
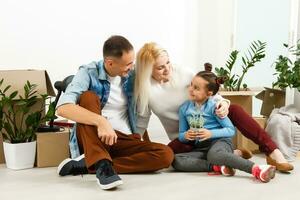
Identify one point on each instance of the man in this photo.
(100, 100)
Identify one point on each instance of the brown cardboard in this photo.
(272, 98)
(2, 160)
(18, 78)
(243, 142)
(52, 148)
(244, 99)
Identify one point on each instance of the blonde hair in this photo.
(145, 61)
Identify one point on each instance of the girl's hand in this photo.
(190, 135)
(204, 134)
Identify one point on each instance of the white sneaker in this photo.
(264, 173)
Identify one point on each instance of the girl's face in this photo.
(162, 68)
(198, 91)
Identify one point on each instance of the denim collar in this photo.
(102, 74)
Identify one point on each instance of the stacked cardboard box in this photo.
(52, 148)
(244, 99)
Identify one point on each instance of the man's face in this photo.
(120, 66)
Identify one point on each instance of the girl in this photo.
(210, 134)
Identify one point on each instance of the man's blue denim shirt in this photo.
(93, 77)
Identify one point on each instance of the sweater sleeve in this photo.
(218, 98)
(227, 130)
(183, 124)
(143, 121)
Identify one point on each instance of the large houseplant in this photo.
(288, 72)
(19, 120)
(234, 82)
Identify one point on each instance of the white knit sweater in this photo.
(165, 100)
(284, 128)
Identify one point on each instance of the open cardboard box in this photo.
(272, 98)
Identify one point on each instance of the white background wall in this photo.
(60, 35)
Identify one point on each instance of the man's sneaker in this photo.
(107, 178)
(264, 173)
(72, 166)
(224, 170)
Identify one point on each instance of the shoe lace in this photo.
(78, 169)
(107, 170)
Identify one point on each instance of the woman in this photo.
(161, 88)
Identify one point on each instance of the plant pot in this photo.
(297, 98)
(19, 156)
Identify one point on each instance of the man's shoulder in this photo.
(94, 68)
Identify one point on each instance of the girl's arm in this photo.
(227, 130)
(183, 126)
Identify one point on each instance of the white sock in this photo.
(278, 156)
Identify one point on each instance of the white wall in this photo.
(269, 22)
(60, 35)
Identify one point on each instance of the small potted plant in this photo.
(19, 121)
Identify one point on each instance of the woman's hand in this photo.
(222, 109)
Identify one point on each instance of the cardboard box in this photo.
(243, 142)
(2, 160)
(52, 148)
(272, 98)
(242, 98)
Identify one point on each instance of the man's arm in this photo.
(67, 107)
(81, 115)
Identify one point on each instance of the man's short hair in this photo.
(115, 46)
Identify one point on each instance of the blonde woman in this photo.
(161, 88)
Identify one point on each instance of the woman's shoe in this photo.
(283, 167)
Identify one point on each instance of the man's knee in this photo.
(87, 98)
(167, 156)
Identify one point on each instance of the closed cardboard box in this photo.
(52, 148)
(243, 142)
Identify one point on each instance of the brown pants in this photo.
(128, 155)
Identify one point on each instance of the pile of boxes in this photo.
(244, 99)
(52, 147)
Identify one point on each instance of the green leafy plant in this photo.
(18, 123)
(233, 82)
(288, 72)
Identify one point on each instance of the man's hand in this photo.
(222, 109)
(203, 134)
(190, 135)
(106, 133)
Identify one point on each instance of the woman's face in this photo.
(162, 69)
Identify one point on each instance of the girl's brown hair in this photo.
(214, 82)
